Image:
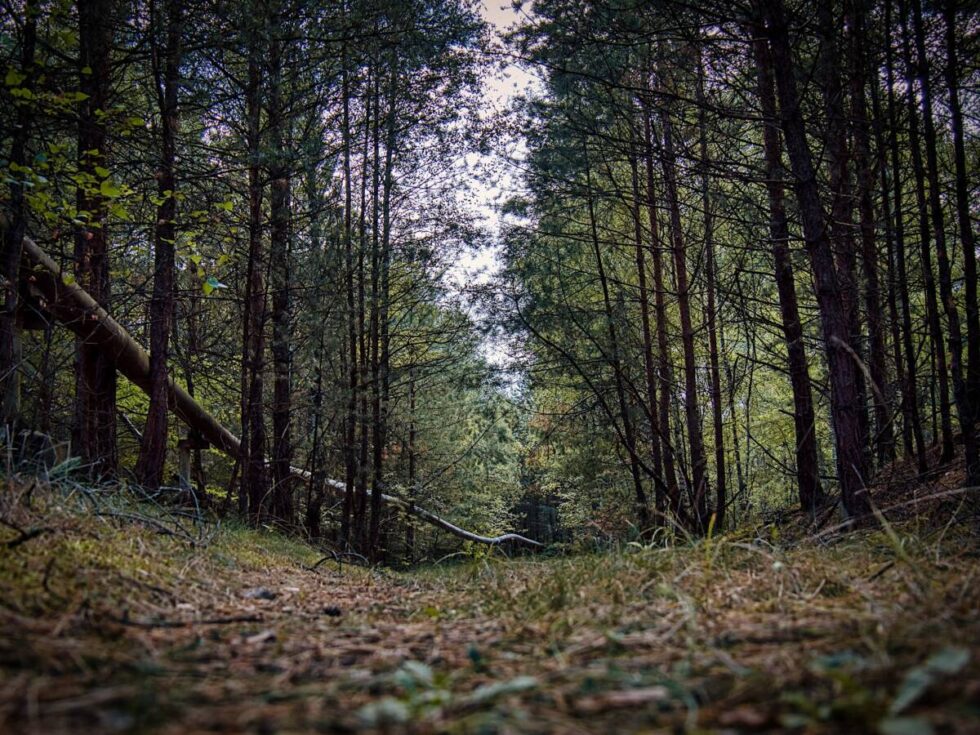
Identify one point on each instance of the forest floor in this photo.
(119, 623)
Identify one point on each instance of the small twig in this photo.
(156, 525)
(336, 556)
(185, 623)
(884, 568)
(24, 536)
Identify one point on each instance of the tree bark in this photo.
(967, 240)
(94, 433)
(660, 312)
(281, 505)
(699, 461)
(804, 422)
(910, 392)
(153, 448)
(649, 366)
(10, 345)
(629, 432)
(843, 370)
(928, 277)
(884, 437)
(711, 277)
(255, 480)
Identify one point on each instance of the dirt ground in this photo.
(115, 624)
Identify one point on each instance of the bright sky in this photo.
(490, 181)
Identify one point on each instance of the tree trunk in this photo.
(910, 391)
(281, 506)
(94, 435)
(153, 448)
(842, 231)
(10, 345)
(350, 419)
(929, 281)
(843, 370)
(649, 366)
(255, 481)
(711, 277)
(660, 312)
(699, 461)
(804, 421)
(967, 243)
(629, 433)
(884, 437)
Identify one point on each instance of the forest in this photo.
(545, 366)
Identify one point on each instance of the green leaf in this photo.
(949, 661)
(109, 190)
(86, 70)
(944, 663)
(102, 173)
(227, 206)
(905, 726)
(14, 77)
(489, 692)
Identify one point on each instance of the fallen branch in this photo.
(76, 309)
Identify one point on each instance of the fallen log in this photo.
(71, 305)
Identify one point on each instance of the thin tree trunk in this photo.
(804, 421)
(660, 313)
(10, 345)
(350, 422)
(412, 462)
(884, 438)
(843, 370)
(255, 483)
(699, 461)
(841, 221)
(153, 448)
(910, 392)
(629, 433)
(967, 242)
(281, 506)
(649, 366)
(711, 277)
(929, 281)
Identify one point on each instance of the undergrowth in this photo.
(120, 614)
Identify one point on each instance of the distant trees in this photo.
(721, 97)
(267, 196)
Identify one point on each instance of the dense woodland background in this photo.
(739, 275)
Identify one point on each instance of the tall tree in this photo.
(94, 433)
(166, 67)
(846, 398)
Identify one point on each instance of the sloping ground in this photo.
(116, 623)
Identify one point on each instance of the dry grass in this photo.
(110, 624)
